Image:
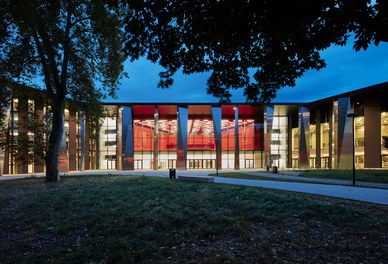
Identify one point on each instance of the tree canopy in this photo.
(259, 46)
(75, 45)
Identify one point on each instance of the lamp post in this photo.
(352, 115)
(215, 139)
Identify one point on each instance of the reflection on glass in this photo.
(107, 142)
(359, 141)
(279, 150)
(384, 139)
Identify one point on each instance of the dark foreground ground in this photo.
(138, 219)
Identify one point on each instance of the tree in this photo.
(385, 142)
(74, 45)
(22, 144)
(259, 46)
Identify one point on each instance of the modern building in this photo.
(158, 136)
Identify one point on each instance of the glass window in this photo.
(325, 139)
(384, 139)
(359, 141)
(279, 153)
(107, 148)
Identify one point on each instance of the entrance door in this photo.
(197, 164)
(312, 162)
(138, 164)
(325, 162)
(249, 164)
(172, 164)
(111, 164)
(209, 164)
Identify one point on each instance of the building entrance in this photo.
(138, 164)
(201, 164)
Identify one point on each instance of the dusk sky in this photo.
(346, 70)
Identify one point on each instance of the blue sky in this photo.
(346, 70)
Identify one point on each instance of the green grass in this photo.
(120, 219)
(379, 176)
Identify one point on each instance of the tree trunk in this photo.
(55, 139)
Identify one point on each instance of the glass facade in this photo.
(155, 137)
(249, 144)
(156, 130)
(325, 141)
(167, 138)
(108, 141)
(201, 145)
(14, 131)
(313, 146)
(279, 141)
(359, 141)
(228, 129)
(295, 147)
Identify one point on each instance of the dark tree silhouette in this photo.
(259, 46)
(73, 44)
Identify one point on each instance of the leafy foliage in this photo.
(26, 134)
(385, 142)
(258, 46)
(74, 45)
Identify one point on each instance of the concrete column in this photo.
(22, 130)
(82, 141)
(331, 129)
(128, 151)
(268, 123)
(289, 141)
(39, 161)
(344, 135)
(183, 117)
(72, 140)
(156, 139)
(304, 137)
(217, 116)
(372, 132)
(63, 165)
(8, 160)
(119, 138)
(318, 138)
(236, 140)
(87, 145)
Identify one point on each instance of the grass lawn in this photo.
(380, 176)
(122, 219)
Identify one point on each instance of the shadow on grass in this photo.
(145, 219)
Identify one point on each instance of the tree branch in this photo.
(46, 71)
(47, 43)
(80, 20)
(65, 62)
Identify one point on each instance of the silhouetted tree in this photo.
(75, 45)
(259, 46)
(385, 142)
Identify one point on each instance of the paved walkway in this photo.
(371, 195)
(327, 181)
(335, 188)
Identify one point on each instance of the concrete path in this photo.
(372, 195)
(318, 180)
